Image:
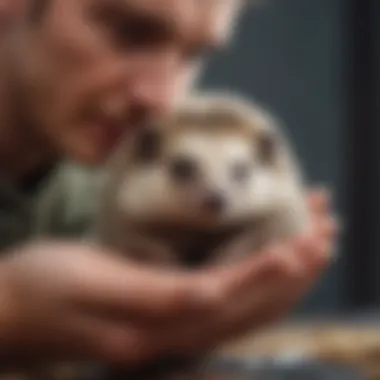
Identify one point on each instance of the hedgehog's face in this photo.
(203, 177)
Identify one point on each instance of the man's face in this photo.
(94, 69)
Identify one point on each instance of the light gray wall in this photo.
(288, 56)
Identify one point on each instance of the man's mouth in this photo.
(110, 126)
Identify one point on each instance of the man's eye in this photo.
(137, 34)
(131, 31)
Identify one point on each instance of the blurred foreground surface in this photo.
(346, 347)
(343, 348)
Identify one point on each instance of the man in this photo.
(76, 75)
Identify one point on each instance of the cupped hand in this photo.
(71, 301)
(265, 287)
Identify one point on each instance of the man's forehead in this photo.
(201, 19)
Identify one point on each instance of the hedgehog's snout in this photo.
(214, 203)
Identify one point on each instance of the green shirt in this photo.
(61, 205)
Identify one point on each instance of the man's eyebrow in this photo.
(163, 24)
(126, 10)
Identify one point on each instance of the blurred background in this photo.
(316, 65)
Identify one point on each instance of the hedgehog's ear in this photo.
(147, 145)
(266, 147)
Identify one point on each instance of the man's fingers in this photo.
(255, 312)
(276, 300)
(233, 296)
(122, 343)
(131, 291)
(126, 289)
(103, 281)
(283, 294)
(290, 271)
(251, 272)
(257, 305)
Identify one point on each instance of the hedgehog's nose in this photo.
(214, 203)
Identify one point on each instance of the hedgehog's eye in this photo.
(267, 148)
(182, 169)
(241, 171)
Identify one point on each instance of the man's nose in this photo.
(155, 87)
(156, 97)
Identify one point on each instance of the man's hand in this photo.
(72, 301)
(265, 287)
